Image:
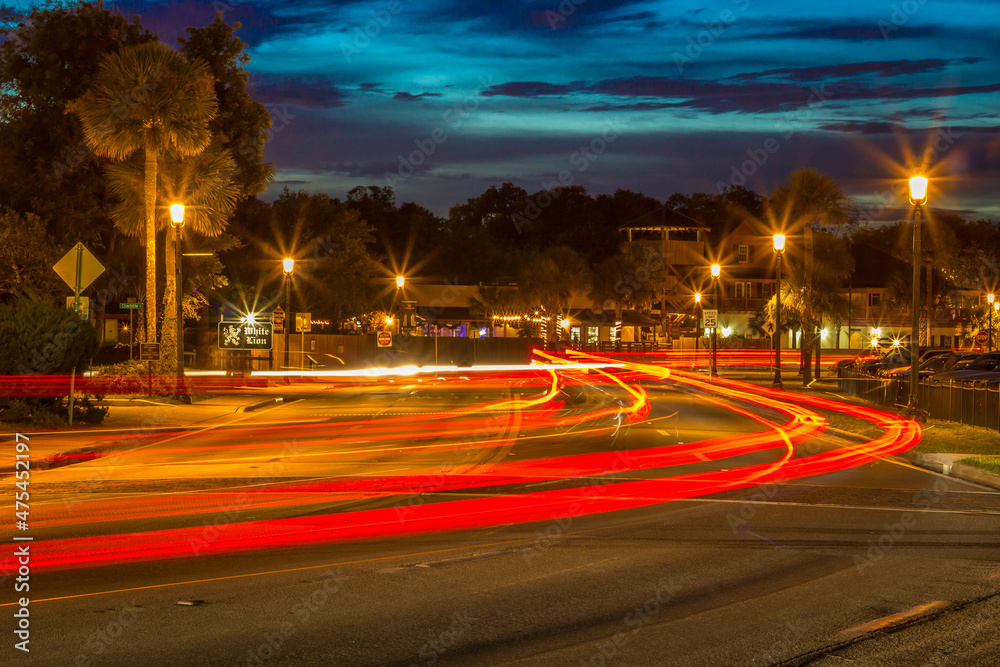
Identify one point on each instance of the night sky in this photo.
(448, 97)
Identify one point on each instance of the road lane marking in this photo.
(751, 501)
(892, 620)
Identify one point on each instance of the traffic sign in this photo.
(130, 306)
(384, 339)
(303, 322)
(711, 317)
(982, 337)
(278, 315)
(769, 327)
(245, 336)
(149, 351)
(84, 310)
(78, 263)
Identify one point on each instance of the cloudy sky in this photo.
(443, 98)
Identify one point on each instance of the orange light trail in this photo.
(601, 481)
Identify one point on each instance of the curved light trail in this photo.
(601, 481)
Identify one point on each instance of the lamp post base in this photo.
(778, 384)
(914, 413)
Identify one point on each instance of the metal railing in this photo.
(972, 402)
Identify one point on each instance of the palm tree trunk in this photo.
(149, 192)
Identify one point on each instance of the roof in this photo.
(630, 318)
(664, 219)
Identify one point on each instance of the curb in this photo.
(957, 470)
(260, 404)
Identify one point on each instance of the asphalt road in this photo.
(880, 564)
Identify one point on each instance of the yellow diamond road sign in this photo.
(89, 267)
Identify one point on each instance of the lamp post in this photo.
(400, 281)
(990, 298)
(996, 306)
(288, 264)
(697, 303)
(779, 250)
(177, 222)
(918, 198)
(713, 369)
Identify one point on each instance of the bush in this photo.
(41, 337)
(127, 377)
(49, 412)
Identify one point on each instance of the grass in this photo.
(988, 463)
(940, 437)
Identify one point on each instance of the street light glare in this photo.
(388, 319)
(716, 270)
(177, 214)
(918, 190)
(697, 297)
(990, 297)
(779, 242)
(288, 264)
(399, 281)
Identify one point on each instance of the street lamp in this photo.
(713, 369)
(399, 281)
(177, 222)
(996, 306)
(918, 198)
(779, 250)
(697, 303)
(990, 298)
(288, 264)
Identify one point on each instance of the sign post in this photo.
(303, 323)
(78, 268)
(130, 306)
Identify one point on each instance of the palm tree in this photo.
(548, 279)
(807, 199)
(204, 183)
(148, 98)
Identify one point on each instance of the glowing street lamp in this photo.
(697, 323)
(918, 198)
(177, 223)
(399, 281)
(288, 265)
(779, 250)
(713, 368)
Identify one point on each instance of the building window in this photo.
(874, 299)
(739, 290)
(591, 335)
(574, 335)
(743, 254)
(765, 290)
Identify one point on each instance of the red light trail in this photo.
(596, 482)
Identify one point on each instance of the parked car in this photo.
(935, 364)
(984, 363)
(900, 359)
(871, 354)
